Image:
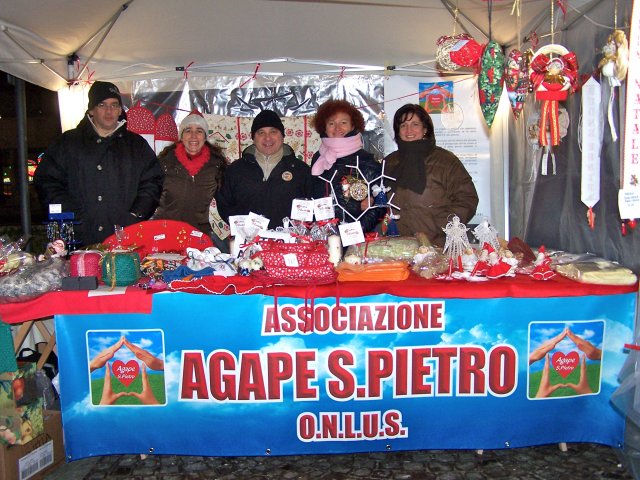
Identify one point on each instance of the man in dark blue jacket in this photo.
(100, 171)
(267, 177)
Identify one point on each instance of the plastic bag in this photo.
(33, 280)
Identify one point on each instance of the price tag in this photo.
(351, 233)
(302, 210)
(196, 233)
(291, 260)
(323, 208)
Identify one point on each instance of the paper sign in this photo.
(55, 208)
(351, 233)
(629, 203)
(256, 222)
(302, 210)
(236, 223)
(323, 208)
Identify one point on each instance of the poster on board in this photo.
(459, 126)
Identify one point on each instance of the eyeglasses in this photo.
(109, 106)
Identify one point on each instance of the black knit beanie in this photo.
(100, 91)
(266, 118)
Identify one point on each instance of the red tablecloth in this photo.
(415, 286)
(136, 300)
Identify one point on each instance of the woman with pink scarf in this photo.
(340, 126)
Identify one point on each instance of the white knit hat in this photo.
(194, 118)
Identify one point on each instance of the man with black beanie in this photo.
(100, 171)
(268, 176)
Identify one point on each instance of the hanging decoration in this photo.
(166, 132)
(490, 80)
(140, 120)
(614, 65)
(553, 73)
(591, 144)
(516, 69)
(516, 79)
(458, 51)
(533, 138)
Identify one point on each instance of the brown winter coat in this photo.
(449, 191)
(184, 197)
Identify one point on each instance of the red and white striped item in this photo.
(86, 264)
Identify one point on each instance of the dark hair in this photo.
(329, 108)
(407, 111)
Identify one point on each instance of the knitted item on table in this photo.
(121, 269)
(86, 264)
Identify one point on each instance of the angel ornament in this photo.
(614, 65)
(615, 60)
(486, 233)
(456, 243)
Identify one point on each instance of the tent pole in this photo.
(112, 21)
(21, 170)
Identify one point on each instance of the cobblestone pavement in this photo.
(582, 461)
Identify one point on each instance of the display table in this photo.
(339, 368)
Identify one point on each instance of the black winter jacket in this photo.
(368, 167)
(244, 190)
(101, 180)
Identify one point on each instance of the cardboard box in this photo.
(18, 388)
(38, 457)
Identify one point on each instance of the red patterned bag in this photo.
(297, 263)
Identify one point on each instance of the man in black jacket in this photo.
(267, 177)
(100, 171)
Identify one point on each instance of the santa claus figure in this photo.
(542, 266)
(497, 267)
(482, 265)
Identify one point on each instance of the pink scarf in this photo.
(333, 148)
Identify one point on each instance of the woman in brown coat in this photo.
(193, 170)
(431, 183)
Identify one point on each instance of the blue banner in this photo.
(253, 375)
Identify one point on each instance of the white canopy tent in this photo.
(50, 43)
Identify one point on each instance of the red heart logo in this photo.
(125, 372)
(565, 364)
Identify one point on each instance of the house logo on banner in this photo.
(564, 359)
(126, 367)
